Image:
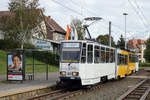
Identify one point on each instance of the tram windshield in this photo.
(70, 56)
(70, 52)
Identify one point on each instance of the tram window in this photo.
(83, 59)
(103, 55)
(118, 59)
(126, 59)
(84, 45)
(137, 59)
(96, 54)
(107, 55)
(90, 54)
(122, 59)
(83, 52)
(83, 56)
(132, 58)
(112, 56)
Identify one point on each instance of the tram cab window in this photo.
(90, 54)
(107, 55)
(112, 56)
(96, 54)
(83, 56)
(103, 55)
(70, 52)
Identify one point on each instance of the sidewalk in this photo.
(145, 68)
(11, 87)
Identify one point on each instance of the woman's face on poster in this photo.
(16, 61)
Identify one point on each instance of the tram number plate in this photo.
(72, 78)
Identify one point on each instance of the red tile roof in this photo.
(133, 44)
(5, 13)
(54, 25)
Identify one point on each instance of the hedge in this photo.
(45, 56)
(144, 64)
(9, 44)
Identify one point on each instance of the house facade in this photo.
(47, 35)
(138, 46)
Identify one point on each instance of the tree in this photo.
(77, 24)
(147, 51)
(104, 39)
(24, 16)
(121, 43)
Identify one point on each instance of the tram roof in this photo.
(88, 41)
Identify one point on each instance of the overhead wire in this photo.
(93, 13)
(142, 13)
(141, 18)
(55, 1)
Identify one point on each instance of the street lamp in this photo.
(125, 14)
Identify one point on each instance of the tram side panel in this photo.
(93, 73)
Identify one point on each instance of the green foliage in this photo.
(47, 57)
(144, 64)
(3, 58)
(9, 44)
(147, 51)
(24, 16)
(77, 24)
(104, 39)
(121, 43)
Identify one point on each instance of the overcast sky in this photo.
(63, 11)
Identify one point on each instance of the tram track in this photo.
(139, 92)
(62, 94)
(47, 95)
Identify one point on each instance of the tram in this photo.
(88, 62)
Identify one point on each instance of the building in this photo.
(138, 46)
(47, 35)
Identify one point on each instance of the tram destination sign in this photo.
(71, 45)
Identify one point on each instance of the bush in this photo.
(29, 46)
(144, 64)
(45, 56)
(9, 44)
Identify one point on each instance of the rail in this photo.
(139, 92)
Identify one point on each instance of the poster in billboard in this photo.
(15, 68)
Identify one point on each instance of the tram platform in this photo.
(14, 87)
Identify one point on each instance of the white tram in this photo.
(86, 62)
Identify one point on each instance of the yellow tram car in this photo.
(126, 63)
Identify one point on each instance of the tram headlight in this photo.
(63, 73)
(75, 73)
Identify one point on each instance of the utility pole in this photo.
(110, 33)
(21, 23)
(125, 14)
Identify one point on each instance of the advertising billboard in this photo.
(15, 67)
